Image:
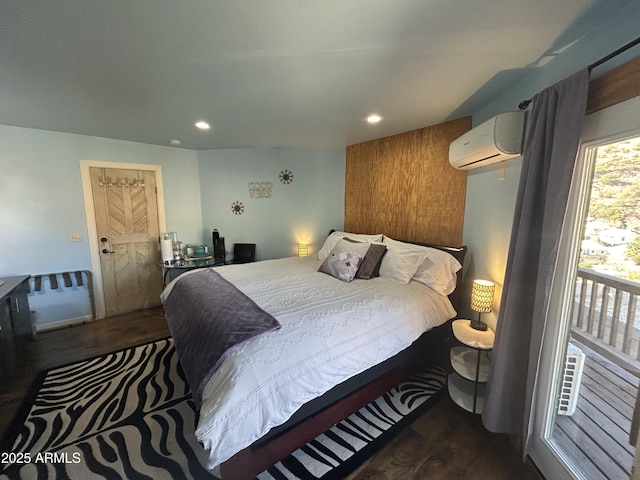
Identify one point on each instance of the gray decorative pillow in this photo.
(344, 260)
(370, 266)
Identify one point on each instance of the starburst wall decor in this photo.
(237, 208)
(286, 176)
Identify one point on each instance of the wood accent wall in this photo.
(403, 186)
(613, 87)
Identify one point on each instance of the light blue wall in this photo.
(41, 203)
(490, 202)
(301, 212)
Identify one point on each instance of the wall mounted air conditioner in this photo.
(495, 140)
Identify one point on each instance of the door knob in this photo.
(106, 250)
(103, 239)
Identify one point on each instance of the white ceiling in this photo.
(266, 73)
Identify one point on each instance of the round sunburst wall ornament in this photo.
(286, 177)
(237, 208)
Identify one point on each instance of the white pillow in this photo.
(438, 271)
(333, 239)
(401, 260)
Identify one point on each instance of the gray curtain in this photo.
(551, 146)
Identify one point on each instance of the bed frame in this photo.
(334, 406)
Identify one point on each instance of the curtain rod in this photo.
(525, 103)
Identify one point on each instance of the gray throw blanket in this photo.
(208, 317)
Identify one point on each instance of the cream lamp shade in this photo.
(303, 250)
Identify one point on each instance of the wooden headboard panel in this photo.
(404, 187)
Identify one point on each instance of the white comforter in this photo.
(331, 331)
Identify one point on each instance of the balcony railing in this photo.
(606, 316)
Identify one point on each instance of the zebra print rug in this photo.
(129, 414)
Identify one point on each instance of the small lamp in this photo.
(481, 299)
(303, 250)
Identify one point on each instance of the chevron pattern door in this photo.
(126, 214)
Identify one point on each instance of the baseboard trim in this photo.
(69, 322)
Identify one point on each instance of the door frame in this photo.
(614, 123)
(92, 230)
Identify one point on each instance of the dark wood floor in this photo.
(58, 347)
(444, 443)
(447, 443)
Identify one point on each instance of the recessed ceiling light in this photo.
(175, 142)
(202, 125)
(374, 118)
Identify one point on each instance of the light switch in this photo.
(75, 237)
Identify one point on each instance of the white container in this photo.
(166, 248)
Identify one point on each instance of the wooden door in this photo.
(126, 215)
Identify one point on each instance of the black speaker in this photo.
(218, 246)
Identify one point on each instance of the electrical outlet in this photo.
(75, 237)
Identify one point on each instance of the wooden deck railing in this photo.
(606, 310)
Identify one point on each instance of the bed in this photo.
(312, 340)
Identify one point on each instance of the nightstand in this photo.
(470, 363)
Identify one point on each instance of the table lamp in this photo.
(481, 299)
(303, 249)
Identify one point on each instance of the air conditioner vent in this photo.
(570, 389)
(495, 140)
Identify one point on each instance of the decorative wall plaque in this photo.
(260, 189)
